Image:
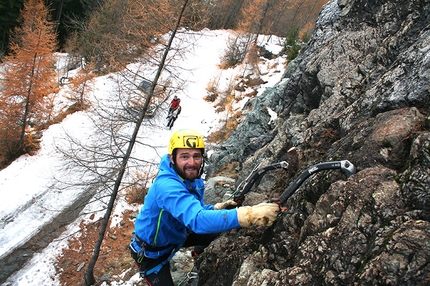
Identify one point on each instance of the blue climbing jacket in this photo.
(172, 207)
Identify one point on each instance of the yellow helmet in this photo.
(186, 138)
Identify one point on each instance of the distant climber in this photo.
(171, 118)
(174, 104)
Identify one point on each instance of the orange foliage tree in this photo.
(27, 79)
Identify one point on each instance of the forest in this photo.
(77, 17)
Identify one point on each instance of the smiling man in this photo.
(174, 214)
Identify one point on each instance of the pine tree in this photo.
(28, 78)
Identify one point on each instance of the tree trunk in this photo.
(59, 12)
(233, 13)
(27, 106)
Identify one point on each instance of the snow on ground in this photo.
(28, 200)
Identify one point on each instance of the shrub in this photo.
(234, 53)
(137, 191)
(136, 194)
(293, 52)
(291, 46)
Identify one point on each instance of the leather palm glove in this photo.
(230, 204)
(263, 214)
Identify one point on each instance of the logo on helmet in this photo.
(191, 142)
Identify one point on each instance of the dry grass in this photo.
(229, 170)
(224, 133)
(78, 106)
(212, 89)
(135, 194)
(211, 97)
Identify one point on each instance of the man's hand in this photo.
(230, 204)
(263, 214)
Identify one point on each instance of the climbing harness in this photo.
(157, 268)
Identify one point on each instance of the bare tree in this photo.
(119, 31)
(89, 276)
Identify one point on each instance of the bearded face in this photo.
(188, 162)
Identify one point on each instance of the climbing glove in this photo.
(262, 214)
(230, 204)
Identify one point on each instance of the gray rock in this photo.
(360, 91)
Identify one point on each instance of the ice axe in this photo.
(346, 166)
(249, 182)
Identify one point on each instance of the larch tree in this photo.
(253, 16)
(28, 79)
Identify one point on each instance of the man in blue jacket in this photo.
(174, 214)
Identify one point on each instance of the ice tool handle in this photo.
(346, 166)
(239, 198)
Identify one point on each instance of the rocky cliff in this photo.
(360, 91)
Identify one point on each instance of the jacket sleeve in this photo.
(187, 209)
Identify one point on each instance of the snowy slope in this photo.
(28, 199)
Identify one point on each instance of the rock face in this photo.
(360, 91)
